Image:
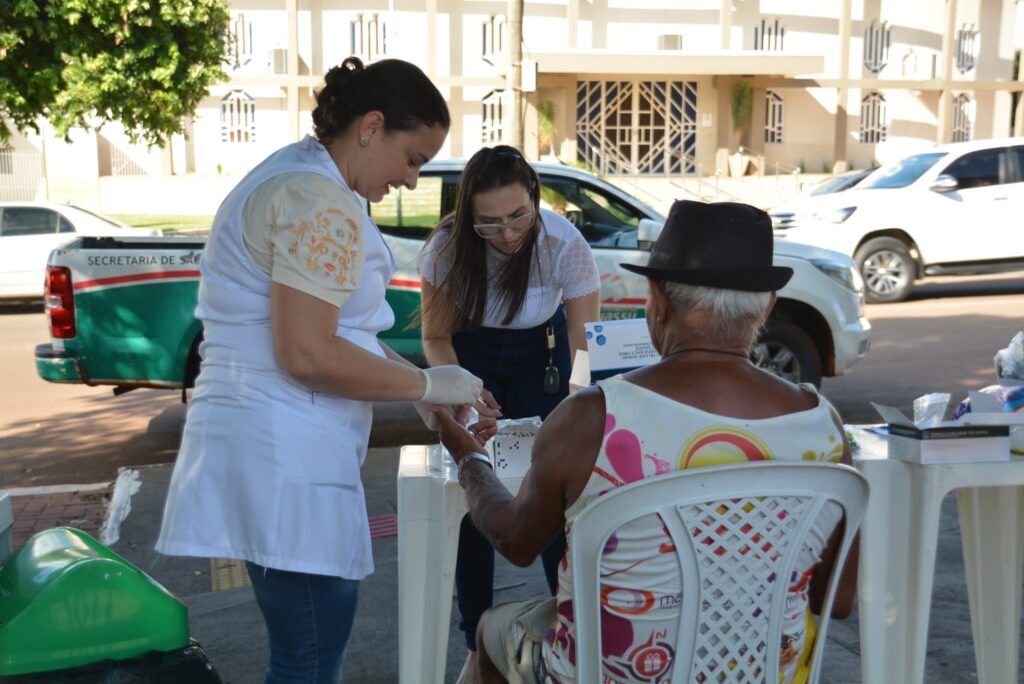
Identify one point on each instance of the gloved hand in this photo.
(429, 419)
(451, 386)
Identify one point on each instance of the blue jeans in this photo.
(511, 363)
(309, 618)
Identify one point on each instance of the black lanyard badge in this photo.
(552, 381)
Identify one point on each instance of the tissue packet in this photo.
(996, 405)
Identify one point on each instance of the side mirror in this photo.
(647, 231)
(944, 183)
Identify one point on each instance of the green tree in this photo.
(741, 102)
(144, 63)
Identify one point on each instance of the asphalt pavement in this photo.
(228, 625)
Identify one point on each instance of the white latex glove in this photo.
(429, 419)
(451, 386)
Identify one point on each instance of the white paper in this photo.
(512, 446)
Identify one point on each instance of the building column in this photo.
(945, 113)
(294, 125)
(723, 131)
(725, 25)
(840, 133)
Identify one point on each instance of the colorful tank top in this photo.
(647, 434)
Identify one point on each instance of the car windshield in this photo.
(840, 182)
(902, 173)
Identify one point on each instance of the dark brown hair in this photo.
(397, 89)
(466, 284)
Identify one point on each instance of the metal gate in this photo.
(637, 127)
(21, 176)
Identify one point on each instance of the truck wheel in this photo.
(785, 350)
(887, 268)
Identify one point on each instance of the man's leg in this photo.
(488, 673)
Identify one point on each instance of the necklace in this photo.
(741, 355)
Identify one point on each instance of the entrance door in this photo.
(637, 127)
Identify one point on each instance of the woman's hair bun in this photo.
(341, 73)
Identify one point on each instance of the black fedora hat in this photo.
(725, 245)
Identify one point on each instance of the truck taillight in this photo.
(60, 302)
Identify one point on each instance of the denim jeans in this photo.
(308, 618)
(511, 363)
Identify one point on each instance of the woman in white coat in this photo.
(291, 299)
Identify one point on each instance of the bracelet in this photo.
(474, 456)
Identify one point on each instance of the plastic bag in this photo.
(1009, 362)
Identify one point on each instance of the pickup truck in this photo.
(121, 311)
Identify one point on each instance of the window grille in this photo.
(874, 125)
(877, 40)
(239, 41)
(238, 117)
(368, 36)
(493, 120)
(966, 42)
(493, 42)
(637, 127)
(773, 118)
(963, 110)
(768, 36)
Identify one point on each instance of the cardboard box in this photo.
(512, 446)
(948, 442)
(618, 346)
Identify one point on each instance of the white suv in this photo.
(951, 210)
(816, 329)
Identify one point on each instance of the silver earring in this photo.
(364, 141)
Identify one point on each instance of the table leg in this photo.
(897, 561)
(424, 597)
(991, 525)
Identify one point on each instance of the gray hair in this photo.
(727, 315)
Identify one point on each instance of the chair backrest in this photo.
(731, 538)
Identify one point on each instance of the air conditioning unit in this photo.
(670, 42)
(279, 61)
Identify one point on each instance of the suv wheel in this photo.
(887, 268)
(785, 350)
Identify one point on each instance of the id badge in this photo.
(552, 381)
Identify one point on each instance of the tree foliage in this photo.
(144, 63)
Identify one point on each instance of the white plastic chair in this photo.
(723, 641)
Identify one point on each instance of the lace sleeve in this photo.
(577, 269)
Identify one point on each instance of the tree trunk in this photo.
(514, 79)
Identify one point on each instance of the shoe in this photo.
(470, 670)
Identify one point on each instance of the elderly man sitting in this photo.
(712, 286)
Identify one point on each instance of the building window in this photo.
(966, 41)
(874, 126)
(963, 116)
(238, 117)
(368, 37)
(877, 39)
(768, 35)
(239, 41)
(772, 118)
(493, 123)
(493, 43)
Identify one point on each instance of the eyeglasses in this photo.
(491, 231)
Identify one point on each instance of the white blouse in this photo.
(562, 267)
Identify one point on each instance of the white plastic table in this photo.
(431, 505)
(897, 560)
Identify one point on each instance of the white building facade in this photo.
(630, 87)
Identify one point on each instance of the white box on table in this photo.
(948, 442)
(618, 346)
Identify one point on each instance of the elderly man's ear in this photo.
(658, 307)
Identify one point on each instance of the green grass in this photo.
(165, 222)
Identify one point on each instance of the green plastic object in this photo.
(66, 600)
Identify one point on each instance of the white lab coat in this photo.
(269, 471)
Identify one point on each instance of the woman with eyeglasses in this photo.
(506, 288)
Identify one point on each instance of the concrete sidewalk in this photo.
(227, 622)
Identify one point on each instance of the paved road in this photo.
(943, 340)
